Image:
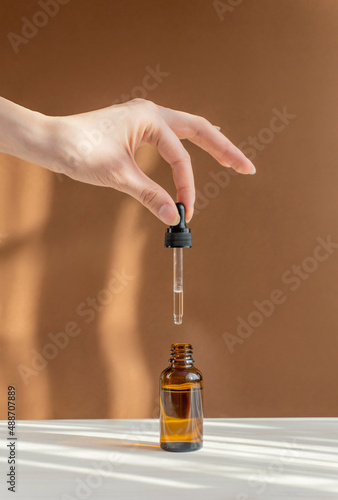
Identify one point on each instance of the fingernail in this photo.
(169, 215)
(188, 220)
(253, 171)
(218, 128)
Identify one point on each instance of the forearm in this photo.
(23, 133)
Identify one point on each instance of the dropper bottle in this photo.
(181, 402)
(178, 237)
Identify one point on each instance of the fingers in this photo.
(171, 149)
(151, 195)
(202, 133)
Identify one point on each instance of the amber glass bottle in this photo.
(181, 402)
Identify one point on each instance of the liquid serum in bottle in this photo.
(178, 237)
(181, 402)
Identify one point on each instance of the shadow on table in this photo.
(249, 458)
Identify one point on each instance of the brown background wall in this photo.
(60, 240)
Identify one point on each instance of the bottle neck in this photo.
(181, 356)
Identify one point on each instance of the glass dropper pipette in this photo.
(178, 237)
(178, 285)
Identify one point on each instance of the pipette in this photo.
(178, 237)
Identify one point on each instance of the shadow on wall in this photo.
(77, 243)
(60, 375)
(86, 283)
(71, 343)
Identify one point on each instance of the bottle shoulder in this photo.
(198, 374)
(180, 375)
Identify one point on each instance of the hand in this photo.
(99, 148)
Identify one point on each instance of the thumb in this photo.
(152, 196)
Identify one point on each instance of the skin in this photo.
(99, 148)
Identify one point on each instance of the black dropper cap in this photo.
(178, 236)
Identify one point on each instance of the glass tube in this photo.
(178, 285)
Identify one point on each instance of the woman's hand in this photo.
(99, 148)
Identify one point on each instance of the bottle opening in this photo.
(181, 345)
(181, 353)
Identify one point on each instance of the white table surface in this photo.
(242, 459)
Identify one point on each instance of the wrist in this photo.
(48, 142)
(28, 135)
(34, 137)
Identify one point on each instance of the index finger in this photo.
(202, 133)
